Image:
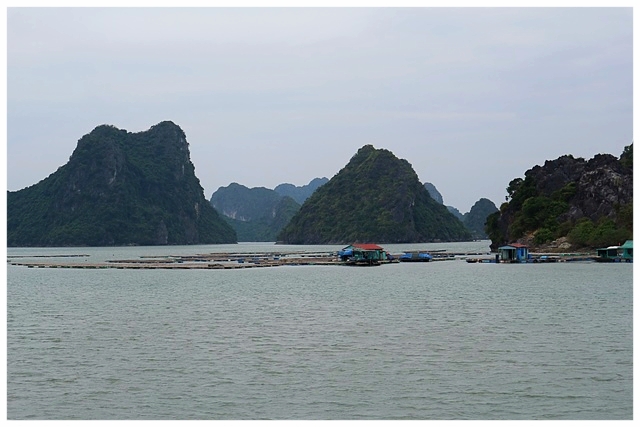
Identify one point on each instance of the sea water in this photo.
(437, 340)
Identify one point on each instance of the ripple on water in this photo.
(446, 340)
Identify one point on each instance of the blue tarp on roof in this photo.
(413, 255)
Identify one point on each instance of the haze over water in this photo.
(439, 340)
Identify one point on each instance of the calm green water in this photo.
(439, 340)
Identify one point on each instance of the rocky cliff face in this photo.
(601, 184)
(434, 193)
(118, 188)
(256, 214)
(562, 193)
(476, 218)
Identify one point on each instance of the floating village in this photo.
(356, 255)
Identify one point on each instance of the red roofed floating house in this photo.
(515, 252)
(363, 254)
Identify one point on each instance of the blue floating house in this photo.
(515, 252)
(363, 254)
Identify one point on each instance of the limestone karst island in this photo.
(121, 188)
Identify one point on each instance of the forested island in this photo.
(122, 188)
(119, 188)
(376, 197)
(256, 214)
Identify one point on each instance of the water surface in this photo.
(439, 340)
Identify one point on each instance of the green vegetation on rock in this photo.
(590, 203)
(257, 214)
(476, 218)
(376, 197)
(118, 188)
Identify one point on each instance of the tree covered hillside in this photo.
(118, 188)
(587, 203)
(256, 214)
(376, 197)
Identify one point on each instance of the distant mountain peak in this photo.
(433, 192)
(301, 193)
(256, 214)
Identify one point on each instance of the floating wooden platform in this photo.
(537, 259)
(236, 261)
(218, 261)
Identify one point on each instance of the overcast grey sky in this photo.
(472, 98)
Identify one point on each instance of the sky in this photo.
(471, 97)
